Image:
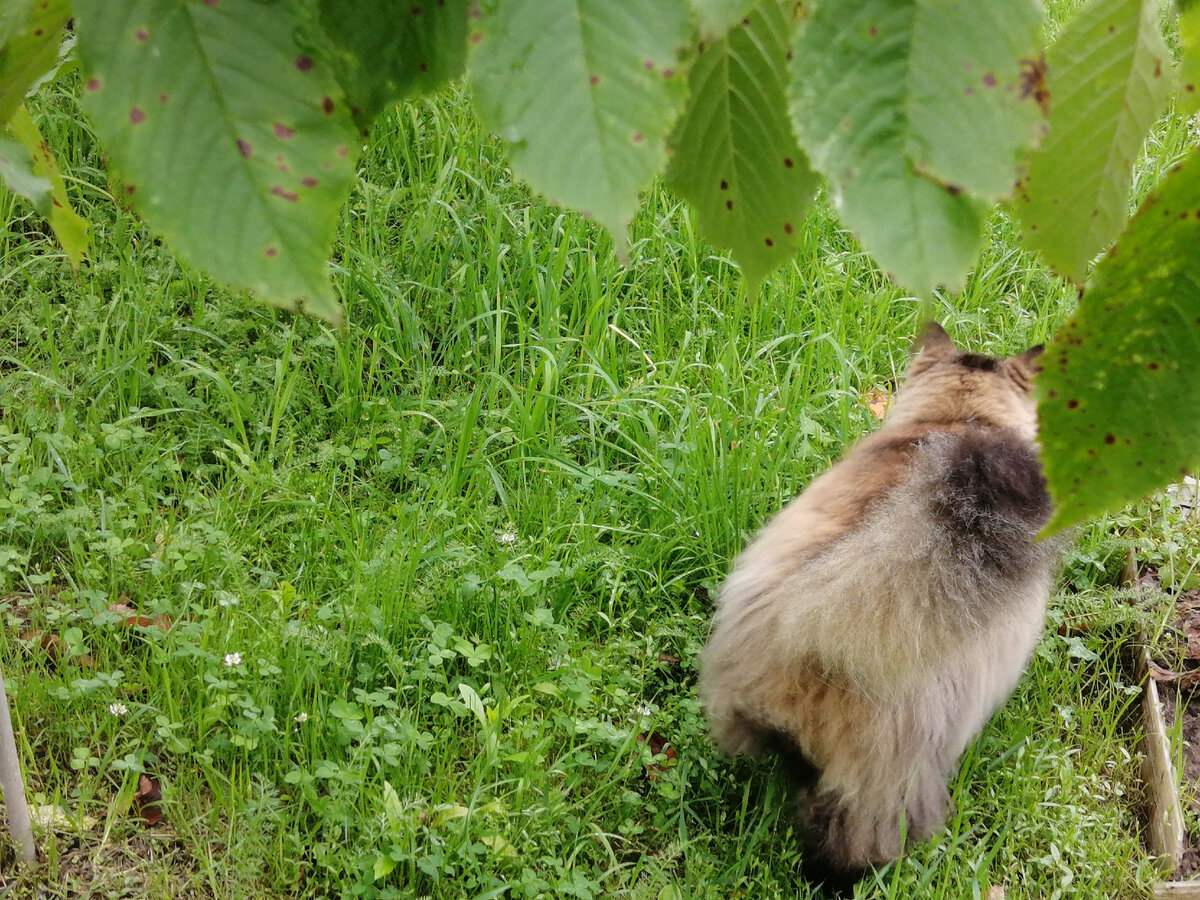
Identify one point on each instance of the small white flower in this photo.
(117, 709)
(507, 537)
(233, 659)
(302, 717)
(645, 710)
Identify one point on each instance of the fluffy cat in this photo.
(873, 626)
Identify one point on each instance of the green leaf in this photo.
(1077, 649)
(384, 865)
(1108, 78)
(392, 806)
(881, 104)
(736, 159)
(345, 710)
(30, 34)
(716, 17)
(1189, 59)
(16, 168)
(473, 702)
(973, 103)
(423, 46)
(1120, 385)
(71, 231)
(234, 146)
(583, 92)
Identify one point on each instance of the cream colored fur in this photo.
(854, 626)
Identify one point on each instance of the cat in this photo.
(874, 625)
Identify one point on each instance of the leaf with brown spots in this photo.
(716, 17)
(1120, 375)
(30, 34)
(871, 109)
(972, 114)
(16, 168)
(71, 230)
(423, 46)
(531, 65)
(1108, 84)
(197, 105)
(736, 159)
(1189, 59)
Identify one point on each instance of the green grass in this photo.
(459, 547)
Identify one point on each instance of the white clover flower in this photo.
(507, 537)
(233, 659)
(301, 718)
(645, 710)
(117, 709)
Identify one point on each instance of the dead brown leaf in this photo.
(1186, 679)
(56, 649)
(878, 402)
(659, 746)
(147, 799)
(130, 617)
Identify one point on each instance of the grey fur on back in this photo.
(877, 622)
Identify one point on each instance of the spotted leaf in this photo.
(1119, 383)
(736, 159)
(583, 93)
(70, 229)
(914, 112)
(16, 168)
(423, 46)
(231, 142)
(1108, 79)
(30, 34)
(1189, 57)
(715, 17)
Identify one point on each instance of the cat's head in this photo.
(945, 384)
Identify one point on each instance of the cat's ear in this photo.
(932, 341)
(1029, 359)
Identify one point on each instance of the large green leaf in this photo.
(736, 159)
(1189, 58)
(16, 168)
(391, 50)
(233, 145)
(974, 92)
(1120, 384)
(1109, 79)
(914, 110)
(30, 34)
(52, 202)
(583, 92)
(715, 17)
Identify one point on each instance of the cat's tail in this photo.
(848, 829)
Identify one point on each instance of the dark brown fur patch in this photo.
(993, 500)
(979, 362)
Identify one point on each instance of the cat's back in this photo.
(970, 492)
(835, 505)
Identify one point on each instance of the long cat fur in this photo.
(875, 624)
